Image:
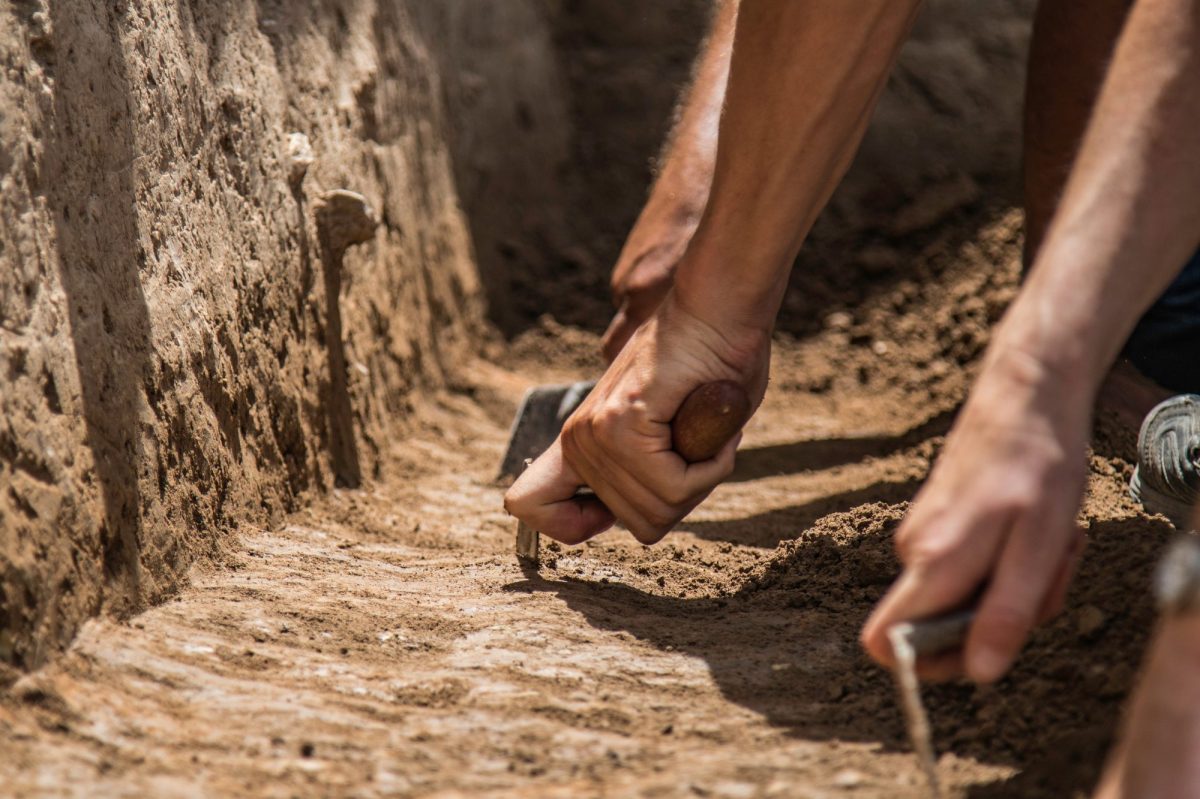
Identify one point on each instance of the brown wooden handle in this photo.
(709, 417)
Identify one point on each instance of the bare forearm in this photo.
(686, 165)
(643, 272)
(803, 81)
(1130, 214)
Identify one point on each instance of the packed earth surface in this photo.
(386, 641)
(251, 533)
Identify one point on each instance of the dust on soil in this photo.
(386, 642)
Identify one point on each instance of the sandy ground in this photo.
(385, 641)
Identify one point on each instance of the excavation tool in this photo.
(708, 418)
(538, 422)
(910, 640)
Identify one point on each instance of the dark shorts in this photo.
(1165, 345)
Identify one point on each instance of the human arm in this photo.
(804, 78)
(998, 511)
(644, 269)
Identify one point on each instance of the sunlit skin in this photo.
(644, 270)
(999, 507)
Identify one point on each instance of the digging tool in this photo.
(539, 420)
(708, 418)
(910, 640)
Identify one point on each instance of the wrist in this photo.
(719, 298)
(1046, 341)
(1021, 372)
(739, 346)
(734, 286)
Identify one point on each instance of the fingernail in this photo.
(985, 664)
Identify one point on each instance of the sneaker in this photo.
(1167, 477)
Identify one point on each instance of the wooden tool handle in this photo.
(710, 416)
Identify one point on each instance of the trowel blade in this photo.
(539, 421)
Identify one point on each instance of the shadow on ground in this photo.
(817, 454)
(784, 645)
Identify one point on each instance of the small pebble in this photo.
(1089, 620)
(300, 157)
(839, 320)
(848, 778)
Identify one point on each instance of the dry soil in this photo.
(385, 642)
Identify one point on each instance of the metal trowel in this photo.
(539, 420)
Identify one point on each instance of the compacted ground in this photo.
(385, 642)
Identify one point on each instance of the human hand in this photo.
(618, 442)
(645, 269)
(997, 515)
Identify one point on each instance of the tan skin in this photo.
(998, 510)
(1070, 49)
(644, 270)
(981, 518)
(1156, 755)
(780, 154)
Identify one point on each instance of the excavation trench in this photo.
(250, 540)
(385, 641)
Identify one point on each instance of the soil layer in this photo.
(385, 642)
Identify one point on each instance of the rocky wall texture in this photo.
(197, 326)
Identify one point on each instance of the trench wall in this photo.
(195, 331)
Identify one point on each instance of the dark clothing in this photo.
(1165, 345)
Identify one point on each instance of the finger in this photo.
(1062, 583)
(670, 478)
(644, 481)
(1009, 608)
(703, 476)
(544, 498)
(945, 570)
(626, 497)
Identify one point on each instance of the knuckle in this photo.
(604, 423)
(726, 470)
(516, 500)
(570, 440)
(648, 535)
(867, 640)
(1020, 498)
(661, 520)
(675, 495)
(925, 552)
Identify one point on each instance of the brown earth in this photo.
(191, 379)
(385, 642)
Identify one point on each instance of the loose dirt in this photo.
(385, 641)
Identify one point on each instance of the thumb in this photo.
(544, 497)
